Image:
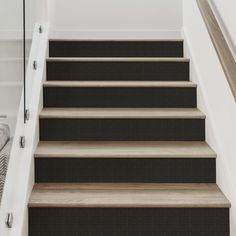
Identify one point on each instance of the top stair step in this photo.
(116, 48)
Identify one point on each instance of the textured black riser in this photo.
(125, 71)
(122, 129)
(130, 222)
(115, 49)
(110, 170)
(120, 97)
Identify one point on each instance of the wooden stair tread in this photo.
(115, 40)
(128, 196)
(166, 84)
(118, 59)
(124, 150)
(122, 113)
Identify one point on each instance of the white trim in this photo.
(115, 34)
(20, 175)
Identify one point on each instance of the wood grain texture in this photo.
(124, 150)
(122, 113)
(222, 48)
(166, 84)
(118, 59)
(128, 196)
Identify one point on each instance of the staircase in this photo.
(122, 146)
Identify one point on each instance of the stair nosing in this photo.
(118, 59)
(115, 40)
(149, 84)
(121, 113)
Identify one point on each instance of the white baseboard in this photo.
(115, 34)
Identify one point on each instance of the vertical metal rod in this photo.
(24, 60)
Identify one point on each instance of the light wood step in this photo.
(124, 150)
(118, 59)
(157, 84)
(128, 196)
(115, 40)
(121, 113)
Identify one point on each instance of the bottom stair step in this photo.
(128, 209)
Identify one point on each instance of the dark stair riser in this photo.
(122, 129)
(126, 221)
(125, 170)
(116, 49)
(120, 97)
(122, 71)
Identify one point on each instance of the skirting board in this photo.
(116, 34)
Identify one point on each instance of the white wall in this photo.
(226, 12)
(11, 52)
(11, 17)
(214, 99)
(115, 18)
(11, 80)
